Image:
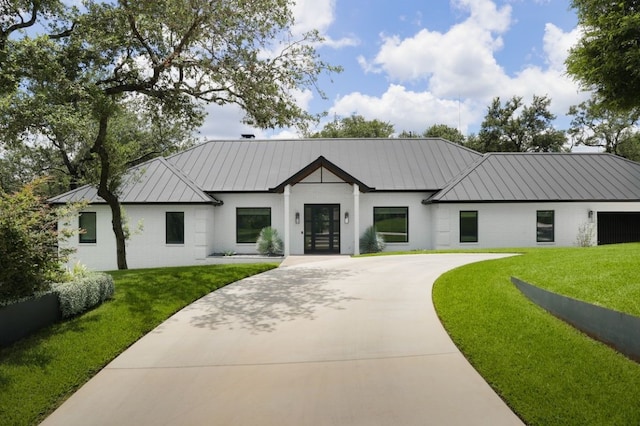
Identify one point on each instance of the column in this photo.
(356, 219)
(287, 221)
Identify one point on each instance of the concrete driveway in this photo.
(336, 341)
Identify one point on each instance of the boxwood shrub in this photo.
(84, 293)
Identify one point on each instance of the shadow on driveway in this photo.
(261, 302)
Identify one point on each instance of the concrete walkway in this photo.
(335, 341)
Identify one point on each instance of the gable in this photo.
(322, 175)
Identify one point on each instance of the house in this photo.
(321, 195)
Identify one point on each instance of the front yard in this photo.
(39, 372)
(548, 372)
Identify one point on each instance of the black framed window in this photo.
(250, 221)
(392, 223)
(468, 226)
(545, 224)
(175, 227)
(88, 229)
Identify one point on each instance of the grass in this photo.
(38, 373)
(548, 372)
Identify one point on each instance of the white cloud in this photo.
(461, 63)
(318, 15)
(407, 110)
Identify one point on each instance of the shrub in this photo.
(586, 232)
(371, 241)
(29, 255)
(269, 243)
(85, 292)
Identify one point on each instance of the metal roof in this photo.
(155, 181)
(545, 177)
(383, 164)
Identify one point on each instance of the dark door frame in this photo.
(321, 233)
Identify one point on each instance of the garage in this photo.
(618, 227)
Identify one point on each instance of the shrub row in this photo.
(84, 293)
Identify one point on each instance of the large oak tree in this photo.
(92, 62)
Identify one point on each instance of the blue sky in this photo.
(415, 64)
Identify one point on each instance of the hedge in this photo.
(84, 293)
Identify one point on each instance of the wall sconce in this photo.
(346, 217)
(590, 214)
(297, 218)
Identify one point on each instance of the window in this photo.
(249, 223)
(87, 224)
(469, 226)
(392, 223)
(175, 227)
(544, 226)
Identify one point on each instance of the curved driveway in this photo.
(340, 341)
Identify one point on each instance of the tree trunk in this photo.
(109, 196)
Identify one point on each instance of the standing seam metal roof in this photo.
(384, 164)
(155, 181)
(545, 177)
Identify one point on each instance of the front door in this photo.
(321, 228)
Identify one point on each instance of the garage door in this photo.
(618, 227)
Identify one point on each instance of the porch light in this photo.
(297, 218)
(346, 217)
(590, 214)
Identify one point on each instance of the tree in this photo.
(594, 124)
(606, 59)
(630, 147)
(355, 126)
(515, 127)
(29, 259)
(445, 132)
(169, 53)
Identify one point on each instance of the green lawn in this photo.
(548, 372)
(41, 371)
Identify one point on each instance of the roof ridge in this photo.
(186, 179)
(457, 179)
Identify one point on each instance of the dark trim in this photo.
(315, 165)
(166, 228)
(393, 207)
(477, 227)
(429, 201)
(251, 208)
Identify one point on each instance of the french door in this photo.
(321, 228)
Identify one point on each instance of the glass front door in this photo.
(322, 228)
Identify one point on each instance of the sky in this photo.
(415, 64)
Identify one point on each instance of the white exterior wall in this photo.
(224, 229)
(514, 224)
(420, 229)
(146, 248)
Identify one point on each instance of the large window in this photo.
(545, 222)
(87, 225)
(469, 226)
(392, 223)
(175, 227)
(249, 223)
